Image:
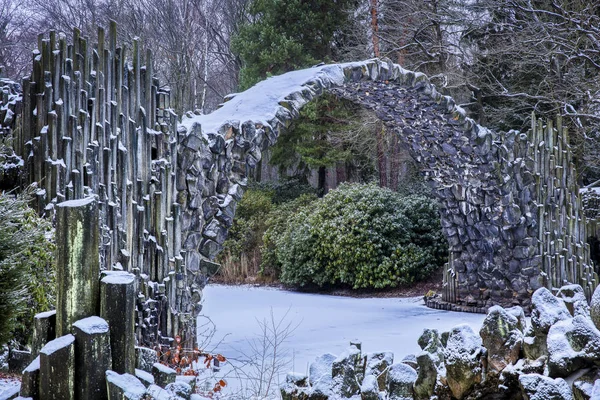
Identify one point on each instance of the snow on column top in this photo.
(78, 202)
(45, 314)
(57, 344)
(131, 385)
(119, 279)
(260, 103)
(92, 325)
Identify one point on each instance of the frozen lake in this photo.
(323, 323)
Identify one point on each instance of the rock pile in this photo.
(556, 355)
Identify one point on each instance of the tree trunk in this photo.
(322, 181)
(375, 28)
(395, 161)
(381, 158)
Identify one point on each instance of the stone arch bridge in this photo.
(92, 121)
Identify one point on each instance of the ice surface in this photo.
(92, 325)
(57, 344)
(325, 324)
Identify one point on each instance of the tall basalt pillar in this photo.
(78, 262)
(117, 307)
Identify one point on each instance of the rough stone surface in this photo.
(92, 357)
(583, 386)
(44, 330)
(117, 307)
(57, 369)
(546, 310)
(124, 387)
(401, 379)
(425, 383)
(574, 298)
(30, 381)
(163, 375)
(77, 263)
(462, 360)
(346, 373)
(540, 387)
(595, 307)
(572, 344)
(145, 358)
(502, 339)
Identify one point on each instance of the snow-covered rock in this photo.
(572, 344)
(574, 298)
(583, 386)
(377, 365)
(347, 372)
(502, 339)
(427, 376)
(463, 360)
(540, 387)
(546, 310)
(595, 307)
(125, 386)
(401, 379)
(430, 342)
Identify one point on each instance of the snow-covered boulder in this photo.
(595, 307)
(574, 298)
(427, 376)
(125, 386)
(583, 386)
(410, 360)
(534, 344)
(540, 387)
(295, 387)
(463, 360)
(369, 389)
(347, 372)
(401, 379)
(519, 314)
(508, 382)
(502, 339)
(430, 342)
(572, 344)
(319, 376)
(377, 365)
(546, 310)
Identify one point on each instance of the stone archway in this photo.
(495, 210)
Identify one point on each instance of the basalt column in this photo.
(78, 263)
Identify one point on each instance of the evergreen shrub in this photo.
(27, 284)
(363, 236)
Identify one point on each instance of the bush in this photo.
(26, 269)
(277, 222)
(363, 236)
(241, 251)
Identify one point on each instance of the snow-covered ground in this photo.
(323, 324)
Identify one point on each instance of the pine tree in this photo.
(288, 34)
